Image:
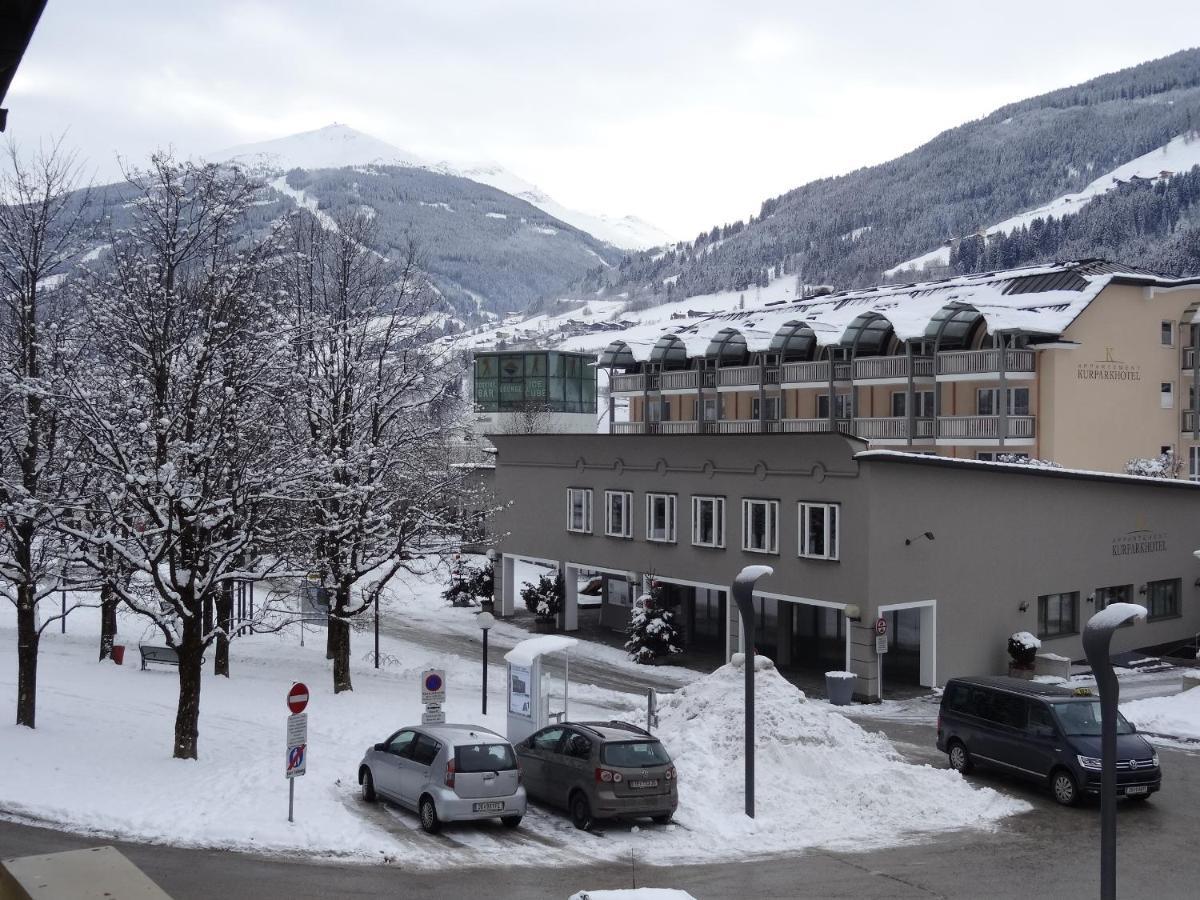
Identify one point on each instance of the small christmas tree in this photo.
(470, 586)
(545, 598)
(652, 632)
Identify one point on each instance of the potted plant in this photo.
(1022, 649)
(544, 600)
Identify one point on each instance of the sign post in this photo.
(433, 695)
(297, 740)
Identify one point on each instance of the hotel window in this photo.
(1167, 395)
(819, 524)
(579, 510)
(987, 402)
(922, 404)
(1168, 334)
(841, 406)
(760, 526)
(660, 518)
(772, 408)
(710, 409)
(1118, 593)
(708, 521)
(1058, 614)
(1162, 599)
(617, 508)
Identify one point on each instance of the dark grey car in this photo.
(600, 770)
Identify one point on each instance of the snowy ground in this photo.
(99, 761)
(1176, 716)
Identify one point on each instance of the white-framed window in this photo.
(579, 510)
(1167, 331)
(708, 521)
(772, 408)
(987, 402)
(618, 514)
(710, 409)
(841, 406)
(660, 517)
(820, 525)
(1166, 397)
(760, 526)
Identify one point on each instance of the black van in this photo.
(1041, 732)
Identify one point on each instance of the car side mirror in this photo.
(379, 747)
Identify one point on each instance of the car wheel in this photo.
(510, 821)
(1062, 785)
(367, 784)
(960, 759)
(429, 816)
(581, 811)
(661, 820)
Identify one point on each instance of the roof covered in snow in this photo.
(527, 651)
(1036, 300)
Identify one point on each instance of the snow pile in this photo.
(822, 780)
(1026, 640)
(634, 894)
(1175, 716)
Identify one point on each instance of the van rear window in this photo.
(632, 754)
(484, 758)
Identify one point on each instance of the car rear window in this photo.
(632, 754)
(484, 758)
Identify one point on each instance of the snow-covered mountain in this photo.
(338, 146)
(1178, 155)
(627, 232)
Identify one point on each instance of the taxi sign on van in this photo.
(1082, 692)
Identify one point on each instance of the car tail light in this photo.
(450, 774)
(670, 773)
(608, 775)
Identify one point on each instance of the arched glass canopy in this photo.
(617, 355)
(952, 325)
(794, 342)
(868, 335)
(669, 352)
(729, 346)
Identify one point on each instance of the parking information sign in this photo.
(433, 715)
(297, 744)
(433, 687)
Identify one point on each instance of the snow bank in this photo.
(634, 894)
(1175, 716)
(822, 780)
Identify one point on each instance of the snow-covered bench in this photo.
(164, 655)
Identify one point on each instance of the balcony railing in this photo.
(983, 362)
(684, 427)
(744, 426)
(747, 376)
(892, 428)
(815, 373)
(629, 428)
(984, 428)
(623, 384)
(804, 426)
(871, 368)
(678, 381)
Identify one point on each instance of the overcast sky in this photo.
(684, 113)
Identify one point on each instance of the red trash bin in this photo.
(118, 654)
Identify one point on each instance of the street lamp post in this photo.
(743, 594)
(1097, 636)
(486, 620)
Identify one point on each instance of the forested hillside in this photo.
(849, 230)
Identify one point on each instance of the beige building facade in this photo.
(1087, 364)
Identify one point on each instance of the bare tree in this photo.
(41, 221)
(373, 393)
(180, 408)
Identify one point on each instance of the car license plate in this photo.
(491, 806)
(653, 782)
(1136, 789)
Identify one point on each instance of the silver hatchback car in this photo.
(447, 773)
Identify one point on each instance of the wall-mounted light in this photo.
(928, 535)
(1142, 590)
(1024, 606)
(852, 612)
(1091, 598)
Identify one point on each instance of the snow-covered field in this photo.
(99, 761)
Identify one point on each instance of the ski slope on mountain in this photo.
(1177, 155)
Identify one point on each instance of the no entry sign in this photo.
(297, 697)
(881, 625)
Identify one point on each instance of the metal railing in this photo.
(805, 373)
(744, 426)
(804, 426)
(626, 383)
(892, 428)
(983, 362)
(872, 367)
(738, 376)
(683, 427)
(678, 381)
(629, 428)
(974, 428)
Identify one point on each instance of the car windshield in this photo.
(634, 754)
(484, 758)
(1083, 718)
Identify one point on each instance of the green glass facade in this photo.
(546, 379)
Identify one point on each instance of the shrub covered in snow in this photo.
(471, 586)
(652, 631)
(1023, 648)
(545, 598)
(1021, 459)
(1164, 466)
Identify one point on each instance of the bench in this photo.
(164, 655)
